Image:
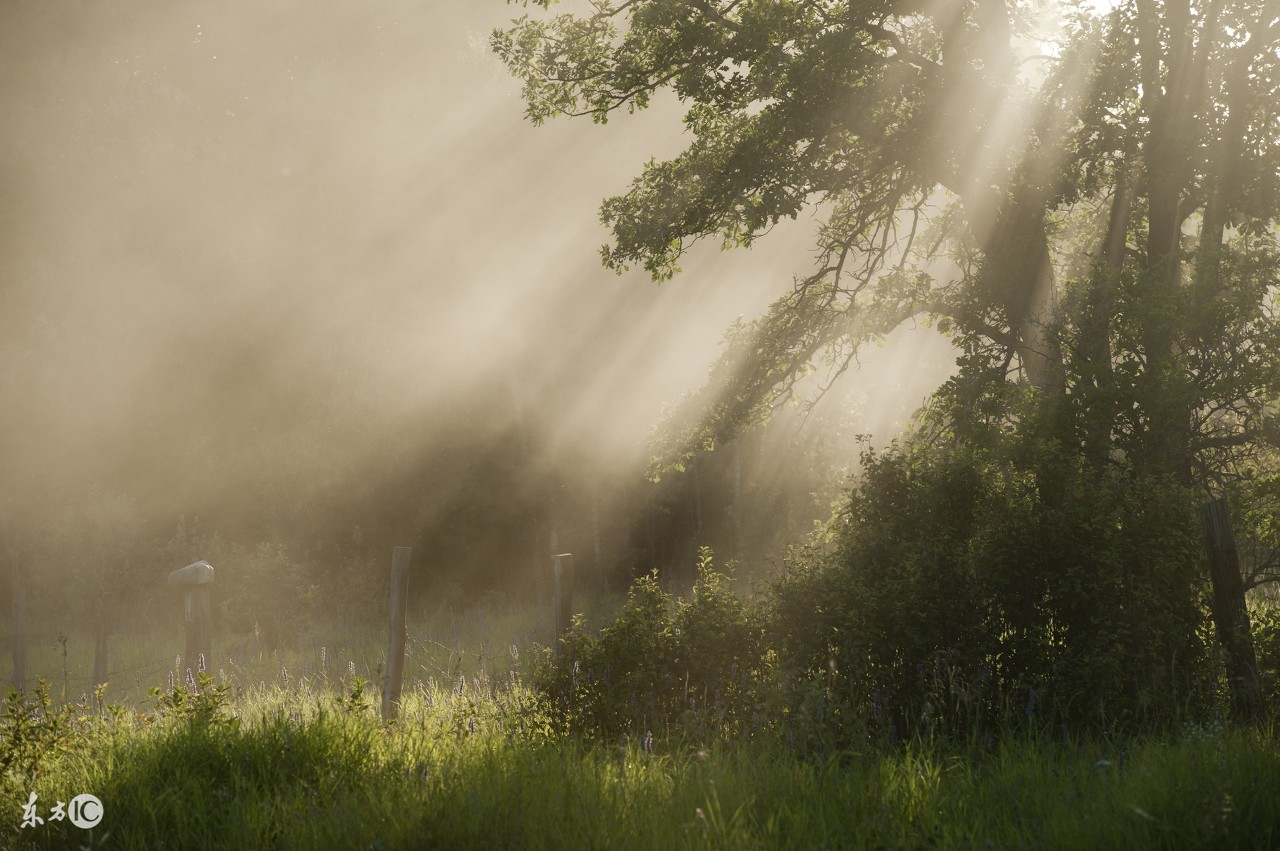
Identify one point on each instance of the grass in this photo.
(304, 761)
(443, 644)
(475, 766)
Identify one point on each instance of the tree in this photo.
(1096, 221)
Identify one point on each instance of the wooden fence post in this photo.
(100, 650)
(393, 681)
(598, 565)
(199, 629)
(197, 614)
(737, 498)
(1230, 614)
(19, 634)
(563, 568)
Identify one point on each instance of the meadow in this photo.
(285, 747)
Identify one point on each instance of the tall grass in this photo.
(291, 753)
(476, 765)
(444, 644)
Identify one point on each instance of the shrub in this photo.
(697, 663)
(33, 733)
(202, 704)
(1264, 616)
(969, 591)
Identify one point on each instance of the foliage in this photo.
(951, 176)
(1097, 235)
(698, 665)
(356, 701)
(34, 734)
(972, 589)
(202, 704)
(294, 776)
(1265, 620)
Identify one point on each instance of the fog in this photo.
(302, 270)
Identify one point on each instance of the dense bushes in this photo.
(1265, 617)
(698, 663)
(965, 589)
(962, 592)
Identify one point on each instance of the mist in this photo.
(301, 274)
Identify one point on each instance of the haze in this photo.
(303, 271)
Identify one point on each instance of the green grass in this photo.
(472, 763)
(488, 640)
(474, 766)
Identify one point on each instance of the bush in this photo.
(969, 591)
(1264, 616)
(664, 662)
(33, 734)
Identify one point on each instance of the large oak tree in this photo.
(1087, 199)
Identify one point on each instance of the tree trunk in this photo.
(1094, 357)
(1170, 107)
(1018, 271)
(1230, 614)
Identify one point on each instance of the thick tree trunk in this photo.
(1227, 161)
(1017, 275)
(1170, 103)
(1005, 210)
(1018, 263)
(1094, 355)
(1230, 614)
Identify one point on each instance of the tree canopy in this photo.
(1086, 199)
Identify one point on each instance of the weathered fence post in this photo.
(563, 568)
(737, 498)
(197, 613)
(19, 634)
(697, 502)
(100, 650)
(1230, 614)
(598, 564)
(393, 680)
